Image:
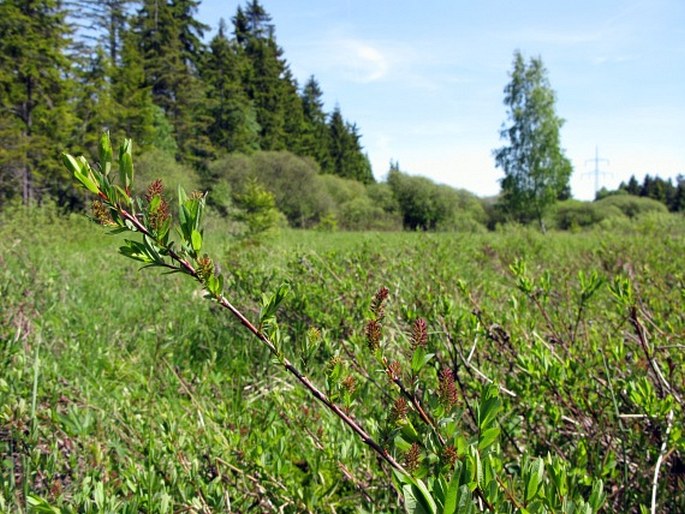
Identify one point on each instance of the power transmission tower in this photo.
(596, 172)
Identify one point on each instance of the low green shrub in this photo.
(575, 214)
(632, 206)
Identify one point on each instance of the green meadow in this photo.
(124, 390)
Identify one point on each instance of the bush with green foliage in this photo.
(575, 214)
(293, 181)
(154, 164)
(425, 205)
(354, 209)
(632, 206)
(256, 208)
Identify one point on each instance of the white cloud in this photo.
(362, 62)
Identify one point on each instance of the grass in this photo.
(125, 391)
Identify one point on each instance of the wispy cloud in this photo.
(361, 61)
(368, 60)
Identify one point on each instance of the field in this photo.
(124, 390)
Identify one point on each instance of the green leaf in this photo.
(489, 407)
(87, 182)
(105, 150)
(70, 163)
(215, 285)
(479, 469)
(465, 504)
(451, 497)
(196, 240)
(487, 437)
(136, 251)
(126, 164)
(534, 479)
(40, 505)
(271, 303)
(409, 432)
(597, 497)
(417, 499)
(420, 359)
(155, 202)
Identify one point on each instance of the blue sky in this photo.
(424, 80)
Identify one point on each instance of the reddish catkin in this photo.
(399, 409)
(394, 371)
(419, 335)
(412, 458)
(156, 188)
(447, 391)
(449, 456)
(377, 302)
(205, 268)
(101, 213)
(373, 334)
(158, 215)
(349, 383)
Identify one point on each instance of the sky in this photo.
(424, 80)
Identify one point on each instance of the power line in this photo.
(596, 172)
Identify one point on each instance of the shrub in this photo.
(632, 206)
(293, 181)
(353, 209)
(575, 214)
(256, 208)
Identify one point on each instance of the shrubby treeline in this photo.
(664, 191)
(228, 116)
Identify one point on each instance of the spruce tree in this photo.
(294, 125)
(264, 87)
(268, 81)
(347, 158)
(103, 21)
(315, 139)
(169, 38)
(94, 103)
(36, 119)
(234, 126)
(137, 115)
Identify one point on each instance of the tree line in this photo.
(141, 68)
(664, 191)
(228, 116)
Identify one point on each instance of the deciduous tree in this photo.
(536, 171)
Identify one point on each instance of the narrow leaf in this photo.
(196, 240)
